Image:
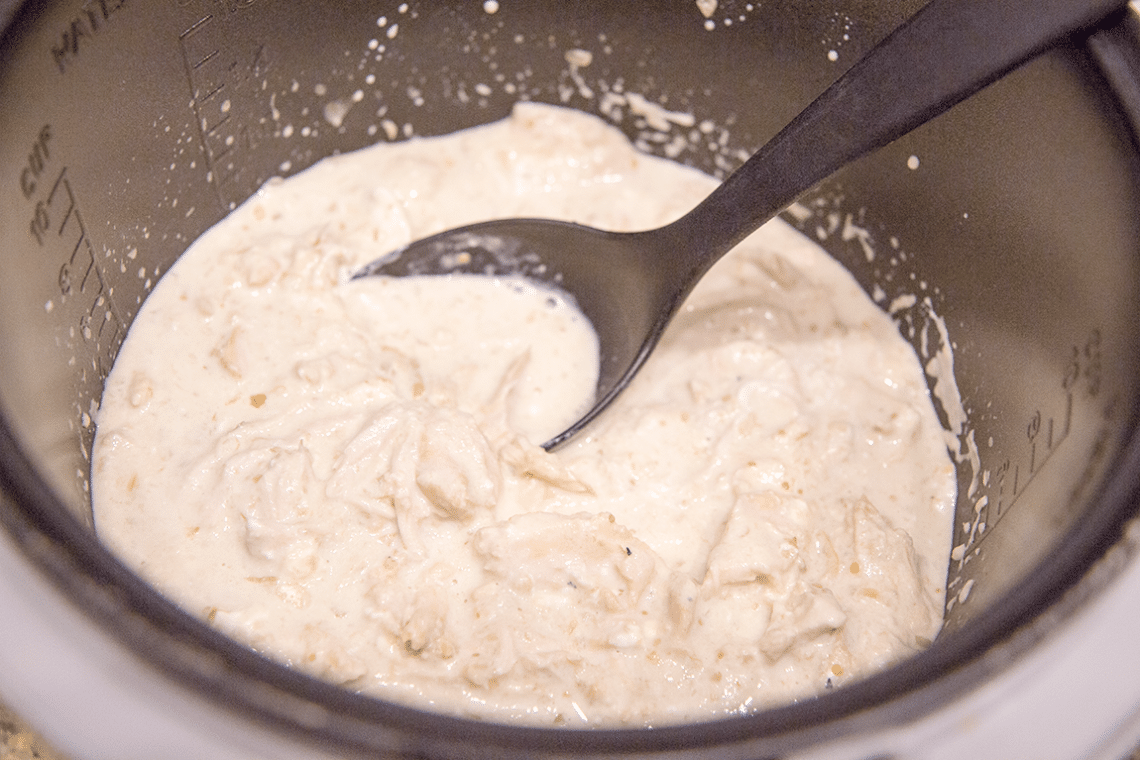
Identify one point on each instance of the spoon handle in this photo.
(946, 52)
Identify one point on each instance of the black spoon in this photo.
(629, 285)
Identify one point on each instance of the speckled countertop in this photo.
(17, 742)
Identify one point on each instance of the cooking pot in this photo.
(1003, 237)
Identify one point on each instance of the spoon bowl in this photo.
(630, 285)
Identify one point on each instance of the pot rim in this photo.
(193, 654)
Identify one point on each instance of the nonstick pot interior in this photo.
(1002, 236)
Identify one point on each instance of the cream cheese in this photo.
(346, 475)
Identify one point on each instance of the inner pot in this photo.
(1003, 238)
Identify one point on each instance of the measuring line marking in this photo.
(193, 28)
(1022, 477)
(214, 129)
(209, 56)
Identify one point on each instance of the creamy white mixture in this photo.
(347, 475)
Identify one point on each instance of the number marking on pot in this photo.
(215, 74)
(92, 327)
(1044, 431)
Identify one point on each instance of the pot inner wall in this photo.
(1002, 237)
